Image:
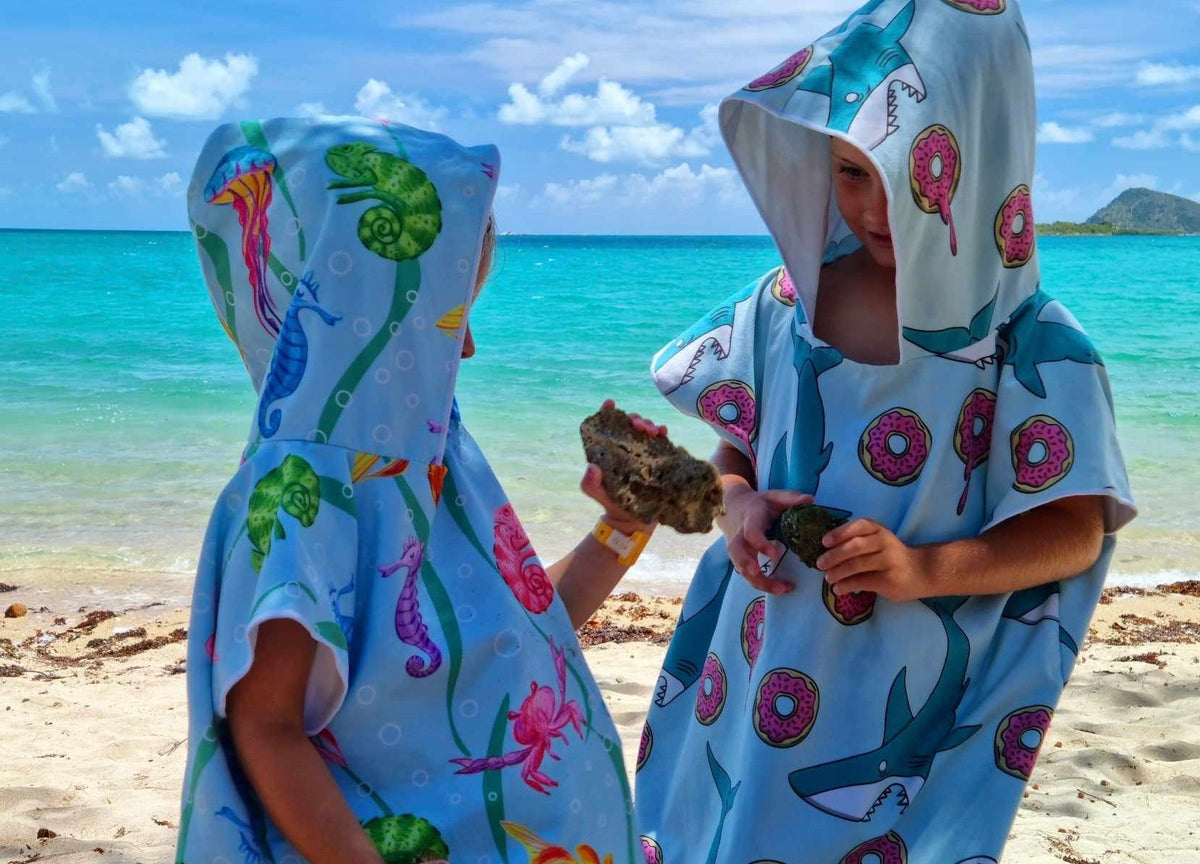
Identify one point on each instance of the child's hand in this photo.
(748, 517)
(865, 556)
(592, 484)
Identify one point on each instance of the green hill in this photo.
(1146, 211)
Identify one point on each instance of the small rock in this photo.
(16, 610)
(46, 638)
(45, 834)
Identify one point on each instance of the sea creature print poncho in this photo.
(815, 729)
(448, 696)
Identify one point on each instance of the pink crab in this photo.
(541, 719)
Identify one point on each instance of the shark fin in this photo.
(824, 359)
(819, 80)
(900, 24)
(957, 737)
(981, 324)
(1066, 640)
(899, 713)
(939, 341)
(778, 476)
(948, 605)
(725, 789)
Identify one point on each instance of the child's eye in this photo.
(852, 172)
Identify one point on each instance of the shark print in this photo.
(678, 361)
(1027, 341)
(975, 343)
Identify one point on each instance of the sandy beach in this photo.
(94, 722)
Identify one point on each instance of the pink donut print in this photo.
(1015, 231)
(978, 7)
(710, 695)
(1016, 753)
(730, 405)
(645, 746)
(785, 707)
(973, 435)
(784, 72)
(934, 169)
(1043, 452)
(651, 851)
(888, 849)
(895, 447)
(783, 289)
(848, 609)
(753, 626)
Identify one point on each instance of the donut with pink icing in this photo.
(784, 72)
(973, 435)
(710, 695)
(1043, 453)
(753, 626)
(1019, 738)
(1014, 228)
(730, 405)
(645, 746)
(978, 7)
(651, 851)
(785, 707)
(848, 609)
(934, 169)
(783, 289)
(895, 447)
(888, 849)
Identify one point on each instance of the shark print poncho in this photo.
(448, 696)
(815, 729)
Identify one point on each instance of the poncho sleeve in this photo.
(288, 551)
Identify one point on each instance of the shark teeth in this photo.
(914, 93)
(901, 800)
(718, 349)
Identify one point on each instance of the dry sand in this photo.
(93, 726)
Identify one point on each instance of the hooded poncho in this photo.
(841, 730)
(448, 695)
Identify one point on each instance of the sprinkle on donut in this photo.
(651, 851)
(973, 435)
(730, 405)
(978, 7)
(1014, 230)
(754, 623)
(1043, 453)
(895, 447)
(784, 72)
(888, 849)
(710, 695)
(848, 609)
(785, 707)
(1019, 738)
(783, 289)
(934, 169)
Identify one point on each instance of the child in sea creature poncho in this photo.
(379, 668)
(905, 370)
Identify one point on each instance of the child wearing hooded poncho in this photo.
(379, 668)
(905, 370)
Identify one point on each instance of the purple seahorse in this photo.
(409, 626)
(291, 355)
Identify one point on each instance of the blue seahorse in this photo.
(291, 355)
(247, 845)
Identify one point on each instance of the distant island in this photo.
(1134, 211)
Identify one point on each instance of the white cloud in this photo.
(1129, 181)
(562, 74)
(1143, 139)
(133, 140)
(646, 144)
(611, 104)
(74, 182)
(200, 90)
(171, 183)
(126, 187)
(41, 89)
(680, 185)
(376, 100)
(1166, 74)
(1117, 119)
(1189, 119)
(1158, 135)
(506, 191)
(15, 103)
(311, 109)
(1188, 143)
(1053, 133)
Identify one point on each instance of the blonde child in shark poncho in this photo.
(364, 580)
(904, 368)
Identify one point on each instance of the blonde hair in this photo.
(486, 253)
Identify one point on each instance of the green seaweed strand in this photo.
(218, 254)
(493, 782)
(204, 754)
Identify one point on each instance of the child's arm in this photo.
(266, 715)
(1054, 541)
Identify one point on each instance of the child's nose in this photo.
(468, 344)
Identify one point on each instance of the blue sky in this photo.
(603, 110)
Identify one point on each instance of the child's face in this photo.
(485, 267)
(862, 200)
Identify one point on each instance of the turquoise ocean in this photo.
(123, 408)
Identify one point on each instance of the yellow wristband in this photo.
(627, 546)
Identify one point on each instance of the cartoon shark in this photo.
(727, 793)
(685, 657)
(975, 343)
(1027, 342)
(677, 362)
(809, 453)
(1034, 605)
(855, 787)
(862, 77)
